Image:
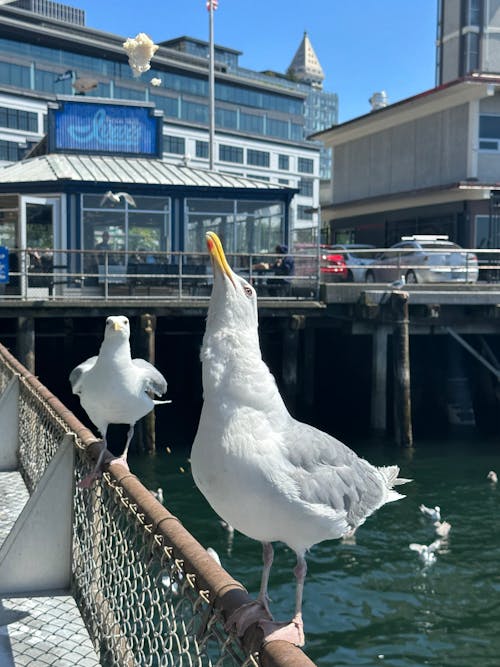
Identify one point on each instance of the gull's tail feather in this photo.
(390, 475)
(161, 402)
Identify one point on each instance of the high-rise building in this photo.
(320, 107)
(468, 38)
(262, 120)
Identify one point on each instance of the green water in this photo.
(373, 602)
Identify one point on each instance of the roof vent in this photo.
(378, 100)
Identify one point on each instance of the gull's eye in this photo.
(248, 290)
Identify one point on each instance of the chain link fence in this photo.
(150, 595)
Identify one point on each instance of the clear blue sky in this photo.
(363, 47)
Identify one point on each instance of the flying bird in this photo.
(426, 552)
(266, 474)
(116, 197)
(114, 388)
(433, 513)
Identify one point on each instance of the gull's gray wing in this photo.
(154, 380)
(77, 374)
(330, 474)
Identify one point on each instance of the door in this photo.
(40, 233)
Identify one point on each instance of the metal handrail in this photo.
(120, 500)
(110, 274)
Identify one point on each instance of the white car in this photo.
(424, 259)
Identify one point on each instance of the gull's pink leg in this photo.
(292, 632)
(257, 611)
(96, 473)
(122, 459)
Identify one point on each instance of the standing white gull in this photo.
(114, 388)
(266, 474)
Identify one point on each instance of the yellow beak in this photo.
(216, 251)
(116, 326)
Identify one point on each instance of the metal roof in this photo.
(57, 167)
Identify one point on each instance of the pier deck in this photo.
(43, 628)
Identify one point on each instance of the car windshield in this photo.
(364, 254)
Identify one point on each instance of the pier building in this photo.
(262, 119)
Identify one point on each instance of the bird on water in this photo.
(266, 474)
(114, 388)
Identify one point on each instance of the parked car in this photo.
(332, 264)
(357, 256)
(424, 259)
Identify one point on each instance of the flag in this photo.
(64, 77)
(212, 4)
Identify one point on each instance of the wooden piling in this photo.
(401, 368)
(25, 342)
(291, 336)
(146, 440)
(378, 412)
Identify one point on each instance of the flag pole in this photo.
(211, 85)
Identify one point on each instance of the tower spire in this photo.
(305, 66)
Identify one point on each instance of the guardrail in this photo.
(107, 275)
(65, 275)
(148, 592)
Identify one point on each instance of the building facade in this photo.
(429, 164)
(262, 120)
(468, 39)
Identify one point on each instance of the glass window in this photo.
(244, 226)
(125, 93)
(489, 127)
(201, 149)
(257, 158)
(227, 118)
(306, 187)
(230, 153)
(304, 213)
(18, 119)
(194, 111)
(9, 216)
(277, 128)
(305, 165)
(284, 162)
(15, 75)
(169, 105)
(175, 145)
(250, 122)
(11, 151)
(124, 228)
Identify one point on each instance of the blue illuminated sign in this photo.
(4, 264)
(89, 127)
